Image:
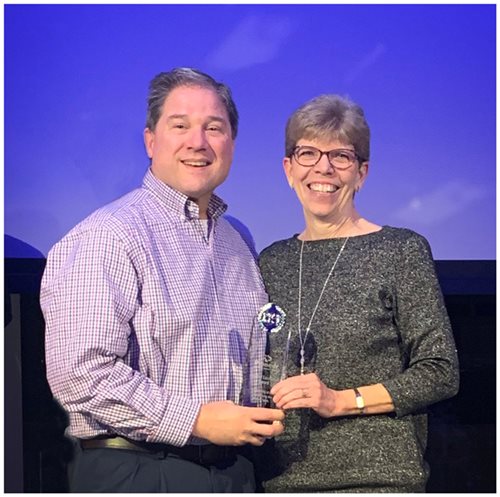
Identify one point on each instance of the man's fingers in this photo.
(256, 440)
(268, 430)
(264, 431)
(266, 414)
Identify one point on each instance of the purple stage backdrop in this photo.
(76, 79)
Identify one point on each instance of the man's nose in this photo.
(196, 138)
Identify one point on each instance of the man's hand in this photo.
(225, 423)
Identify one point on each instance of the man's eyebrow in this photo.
(186, 116)
(216, 118)
(177, 116)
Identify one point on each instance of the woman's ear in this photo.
(287, 166)
(362, 174)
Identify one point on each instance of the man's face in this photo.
(192, 147)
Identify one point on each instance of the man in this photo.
(150, 306)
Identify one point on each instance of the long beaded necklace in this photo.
(308, 329)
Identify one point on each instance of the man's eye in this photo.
(214, 128)
(179, 126)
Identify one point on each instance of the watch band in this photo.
(360, 402)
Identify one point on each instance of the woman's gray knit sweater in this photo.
(381, 320)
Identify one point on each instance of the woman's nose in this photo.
(323, 166)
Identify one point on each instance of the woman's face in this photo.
(326, 193)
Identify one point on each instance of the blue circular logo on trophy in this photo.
(271, 318)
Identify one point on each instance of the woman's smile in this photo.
(322, 187)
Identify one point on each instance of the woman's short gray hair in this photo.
(162, 84)
(329, 117)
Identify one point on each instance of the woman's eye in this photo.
(343, 157)
(306, 153)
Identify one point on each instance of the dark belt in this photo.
(205, 455)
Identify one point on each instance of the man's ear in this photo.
(149, 141)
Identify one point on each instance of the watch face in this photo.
(360, 403)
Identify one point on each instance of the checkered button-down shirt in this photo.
(148, 317)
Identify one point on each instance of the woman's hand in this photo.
(306, 391)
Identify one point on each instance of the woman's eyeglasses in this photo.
(339, 158)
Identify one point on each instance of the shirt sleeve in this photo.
(428, 348)
(90, 293)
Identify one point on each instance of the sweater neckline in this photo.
(364, 236)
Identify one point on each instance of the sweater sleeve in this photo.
(428, 348)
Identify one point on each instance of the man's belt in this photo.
(205, 455)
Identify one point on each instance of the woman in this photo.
(367, 343)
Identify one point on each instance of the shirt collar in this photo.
(180, 203)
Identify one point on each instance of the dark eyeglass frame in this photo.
(326, 152)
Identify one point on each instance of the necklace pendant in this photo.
(302, 361)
